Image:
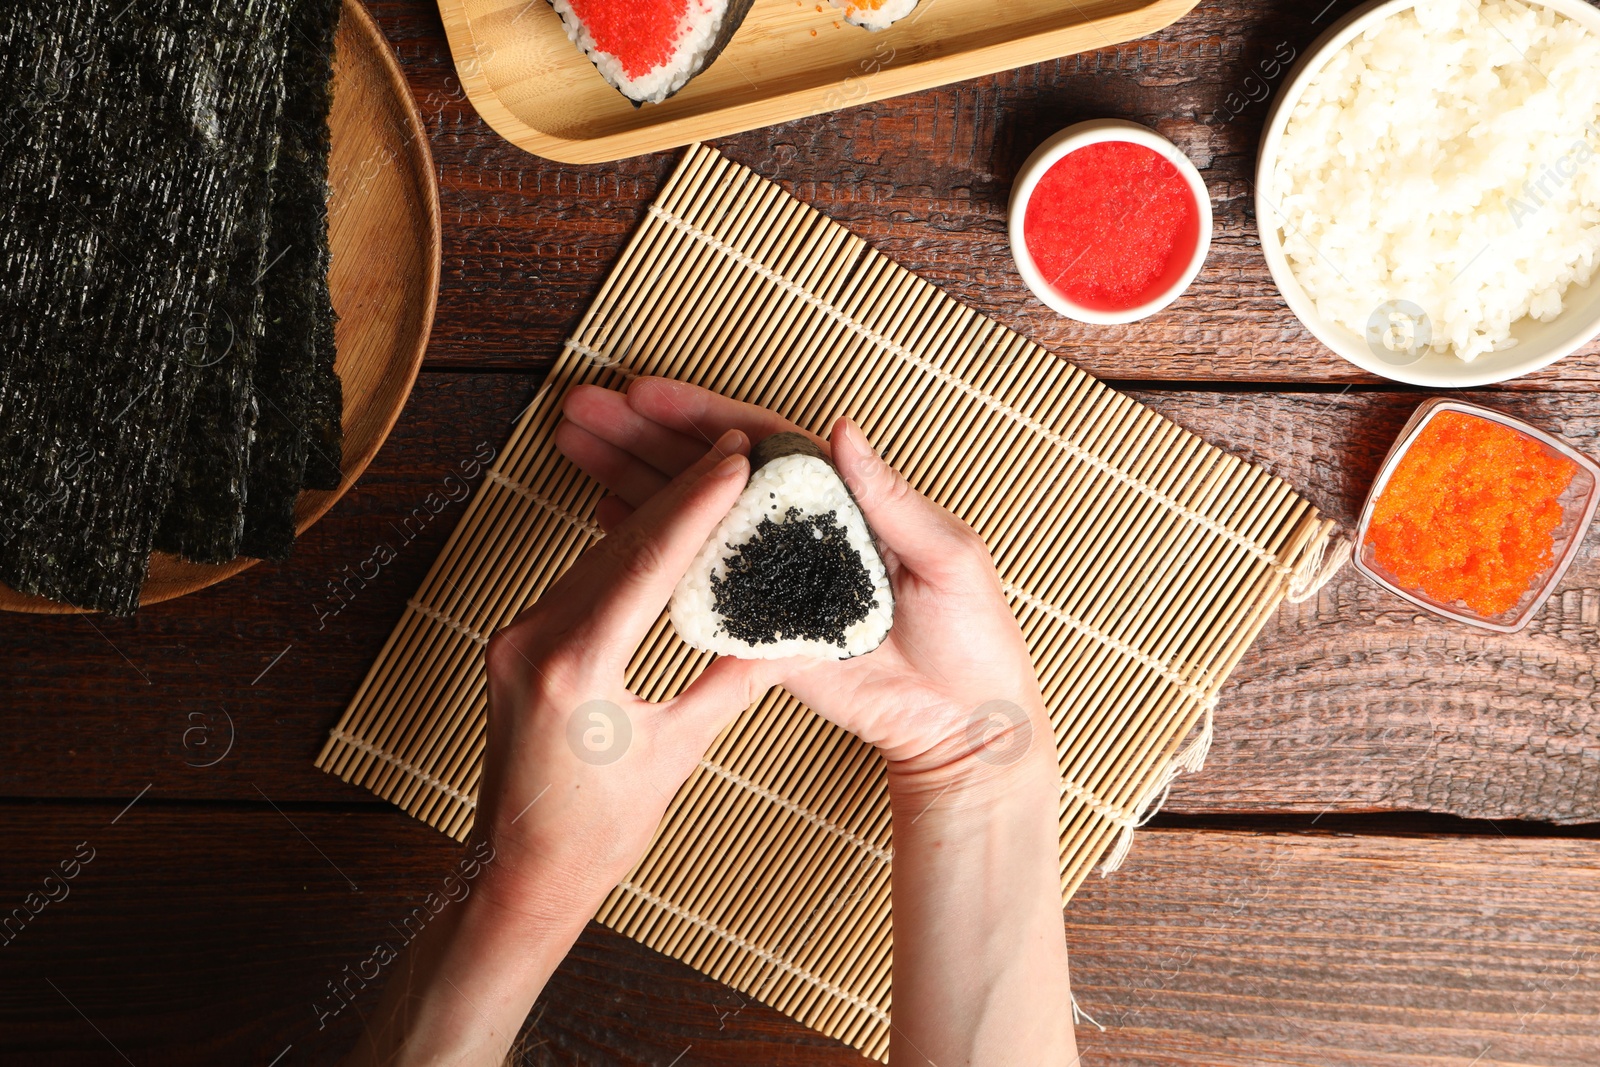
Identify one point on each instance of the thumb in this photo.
(923, 536)
(723, 690)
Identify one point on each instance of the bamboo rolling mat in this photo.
(1140, 561)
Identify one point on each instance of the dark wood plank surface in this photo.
(1241, 932)
(182, 947)
(925, 178)
(1354, 701)
(177, 945)
(1230, 950)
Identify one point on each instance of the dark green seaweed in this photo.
(298, 428)
(325, 425)
(204, 520)
(125, 127)
(787, 443)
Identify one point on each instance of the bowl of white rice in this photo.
(1428, 190)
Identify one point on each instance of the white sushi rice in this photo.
(1449, 157)
(813, 487)
(697, 33)
(875, 14)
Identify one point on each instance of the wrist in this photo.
(469, 978)
(537, 890)
(1003, 750)
(972, 791)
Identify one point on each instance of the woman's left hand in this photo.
(579, 770)
(578, 773)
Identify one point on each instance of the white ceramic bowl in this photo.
(1070, 140)
(1539, 344)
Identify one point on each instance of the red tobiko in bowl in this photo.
(1109, 222)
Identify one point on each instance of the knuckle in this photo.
(969, 552)
(515, 651)
(648, 562)
(529, 673)
(973, 545)
(639, 557)
(561, 672)
(502, 657)
(888, 487)
(958, 531)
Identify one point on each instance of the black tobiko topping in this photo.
(798, 578)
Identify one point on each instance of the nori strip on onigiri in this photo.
(124, 129)
(204, 520)
(649, 49)
(298, 427)
(791, 570)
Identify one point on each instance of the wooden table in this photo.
(1389, 859)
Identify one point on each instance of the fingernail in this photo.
(867, 458)
(734, 441)
(729, 466)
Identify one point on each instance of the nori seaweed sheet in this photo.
(298, 429)
(325, 422)
(204, 520)
(122, 140)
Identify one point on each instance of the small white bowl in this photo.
(1539, 344)
(1070, 140)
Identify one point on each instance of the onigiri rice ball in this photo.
(791, 570)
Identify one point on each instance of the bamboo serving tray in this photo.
(790, 59)
(383, 228)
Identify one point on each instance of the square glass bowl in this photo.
(1578, 505)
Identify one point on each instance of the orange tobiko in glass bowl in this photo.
(1476, 515)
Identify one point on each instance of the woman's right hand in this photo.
(952, 701)
(951, 695)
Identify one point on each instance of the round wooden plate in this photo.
(383, 226)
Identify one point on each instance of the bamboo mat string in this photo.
(1320, 565)
(1139, 560)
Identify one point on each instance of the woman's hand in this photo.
(952, 691)
(950, 698)
(579, 771)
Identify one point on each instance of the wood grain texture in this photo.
(183, 947)
(925, 179)
(789, 59)
(1358, 701)
(1350, 702)
(383, 223)
(1221, 948)
(100, 707)
(1237, 950)
(212, 925)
